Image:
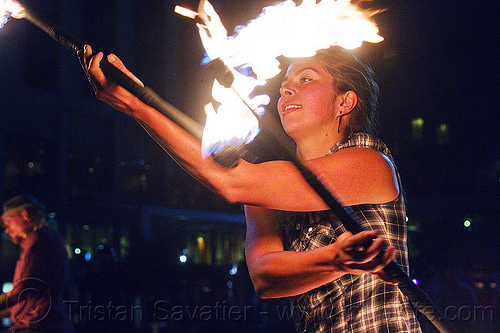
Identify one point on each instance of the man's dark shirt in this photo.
(39, 283)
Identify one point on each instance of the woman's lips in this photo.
(287, 109)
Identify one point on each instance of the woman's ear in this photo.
(349, 101)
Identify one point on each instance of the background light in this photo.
(6, 287)
(233, 270)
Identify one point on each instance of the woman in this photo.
(295, 246)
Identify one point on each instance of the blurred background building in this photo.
(121, 203)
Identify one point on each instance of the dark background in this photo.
(95, 167)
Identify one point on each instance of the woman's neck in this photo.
(313, 147)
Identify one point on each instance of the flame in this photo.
(233, 124)
(8, 9)
(285, 29)
(299, 31)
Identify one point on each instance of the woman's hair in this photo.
(351, 74)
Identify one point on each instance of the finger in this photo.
(389, 255)
(119, 64)
(95, 69)
(359, 240)
(88, 50)
(372, 264)
(362, 260)
(363, 247)
(374, 249)
(80, 54)
(83, 57)
(377, 264)
(343, 237)
(387, 278)
(374, 246)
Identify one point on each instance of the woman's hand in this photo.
(106, 90)
(352, 257)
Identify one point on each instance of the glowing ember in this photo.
(8, 9)
(284, 29)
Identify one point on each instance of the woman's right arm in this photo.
(354, 176)
(275, 184)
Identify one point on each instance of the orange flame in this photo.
(284, 29)
(8, 9)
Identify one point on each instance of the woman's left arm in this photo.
(279, 273)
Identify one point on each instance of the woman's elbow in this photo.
(236, 187)
(230, 195)
(262, 289)
(263, 285)
(235, 194)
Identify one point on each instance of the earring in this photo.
(340, 119)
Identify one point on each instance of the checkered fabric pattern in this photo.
(353, 303)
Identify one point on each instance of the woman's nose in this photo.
(286, 90)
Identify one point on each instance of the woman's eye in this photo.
(305, 79)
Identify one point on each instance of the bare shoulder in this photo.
(359, 175)
(365, 158)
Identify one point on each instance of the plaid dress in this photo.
(352, 303)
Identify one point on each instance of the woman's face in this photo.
(307, 101)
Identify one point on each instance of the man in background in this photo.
(35, 303)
